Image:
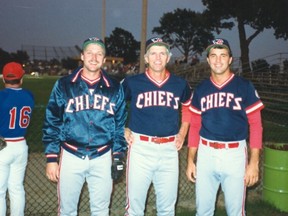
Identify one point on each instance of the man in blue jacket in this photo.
(84, 126)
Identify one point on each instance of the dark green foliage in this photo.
(186, 30)
(258, 15)
(121, 43)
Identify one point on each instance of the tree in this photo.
(260, 66)
(121, 43)
(69, 63)
(185, 30)
(256, 14)
(4, 58)
(285, 66)
(275, 69)
(20, 56)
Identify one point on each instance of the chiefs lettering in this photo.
(80, 103)
(221, 99)
(157, 98)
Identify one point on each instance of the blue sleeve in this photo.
(127, 91)
(187, 95)
(120, 144)
(252, 96)
(53, 122)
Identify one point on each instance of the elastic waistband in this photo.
(82, 152)
(220, 145)
(157, 140)
(15, 139)
(98, 149)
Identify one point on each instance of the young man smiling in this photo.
(84, 132)
(224, 108)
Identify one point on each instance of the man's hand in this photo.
(179, 141)
(191, 172)
(117, 168)
(129, 136)
(52, 171)
(180, 137)
(252, 170)
(191, 167)
(251, 175)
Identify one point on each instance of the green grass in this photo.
(41, 87)
(257, 208)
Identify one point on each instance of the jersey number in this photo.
(24, 117)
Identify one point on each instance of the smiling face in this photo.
(93, 57)
(157, 57)
(219, 61)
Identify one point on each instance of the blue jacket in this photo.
(84, 123)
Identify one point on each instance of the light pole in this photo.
(103, 20)
(143, 34)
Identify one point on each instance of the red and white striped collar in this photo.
(224, 83)
(79, 74)
(159, 84)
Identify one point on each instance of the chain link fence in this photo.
(41, 194)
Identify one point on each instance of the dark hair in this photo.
(220, 47)
(13, 82)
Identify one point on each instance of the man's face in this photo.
(219, 60)
(157, 57)
(93, 57)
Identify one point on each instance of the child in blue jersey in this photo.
(154, 135)
(15, 114)
(225, 110)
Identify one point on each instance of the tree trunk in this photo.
(244, 46)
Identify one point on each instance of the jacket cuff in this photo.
(51, 160)
(120, 155)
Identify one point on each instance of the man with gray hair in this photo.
(154, 135)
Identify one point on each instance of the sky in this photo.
(68, 23)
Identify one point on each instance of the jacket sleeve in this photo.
(53, 124)
(120, 144)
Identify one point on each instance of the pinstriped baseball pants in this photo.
(225, 167)
(74, 172)
(151, 163)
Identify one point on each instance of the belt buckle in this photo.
(218, 145)
(157, 140)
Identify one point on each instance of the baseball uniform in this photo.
(222, 152)
(15, 115)
(153, 157)
(84, 122)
